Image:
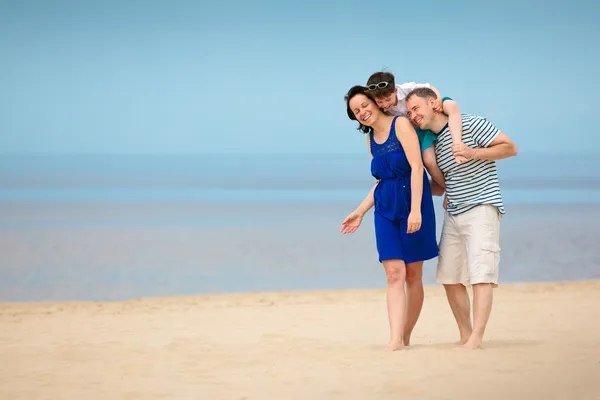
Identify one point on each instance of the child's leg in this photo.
(455, 125)
(431, 165)
(457, 138)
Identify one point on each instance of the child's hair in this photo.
(424, 93)
(377, 80)
(355, 90)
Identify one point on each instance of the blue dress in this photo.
(393, 202)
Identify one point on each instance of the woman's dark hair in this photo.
(354, 90)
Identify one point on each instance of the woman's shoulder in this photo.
(403, 124)
(401, 119)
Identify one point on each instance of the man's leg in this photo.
(414, 297)
(483, 247)
(453, 274)
(458, 298)
(483, 294)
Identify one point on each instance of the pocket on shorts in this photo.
(492, 217)
(489, 246)
(490, 238)
(488, 260)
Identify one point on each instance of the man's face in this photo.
(420, 111)
(388, 101)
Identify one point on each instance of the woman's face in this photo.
(364, 109)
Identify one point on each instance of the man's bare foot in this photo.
(406, 341)
(472, 343)
(461, 159)
(464, 338)
(395, 345)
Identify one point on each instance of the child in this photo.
(391, 98)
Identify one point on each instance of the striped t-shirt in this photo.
(474, 182)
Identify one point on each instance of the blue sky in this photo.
(270, 76)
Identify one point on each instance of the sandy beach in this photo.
(543, 342)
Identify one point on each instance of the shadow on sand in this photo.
(487, 345)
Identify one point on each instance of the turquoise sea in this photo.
(120, 226)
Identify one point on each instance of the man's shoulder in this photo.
(474, 122)
(468, 120)
(472, 118)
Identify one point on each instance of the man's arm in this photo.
(499, 148)
(436, 189)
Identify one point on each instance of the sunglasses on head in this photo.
(379, 85)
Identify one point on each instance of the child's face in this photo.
(420, 111)
(388, 101)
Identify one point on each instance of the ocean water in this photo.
(100, 227)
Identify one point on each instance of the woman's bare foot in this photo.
(395, 345)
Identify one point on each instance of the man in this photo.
(470, 239)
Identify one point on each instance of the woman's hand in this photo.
(352, 222)
(414, 222)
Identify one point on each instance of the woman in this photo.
(404, 214)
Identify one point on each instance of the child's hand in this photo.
(437, 106)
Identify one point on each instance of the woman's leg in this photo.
(414, 298)
(395, 271)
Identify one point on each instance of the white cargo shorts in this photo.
(470, 247)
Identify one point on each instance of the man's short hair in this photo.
(378, 78)
(423, 92)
